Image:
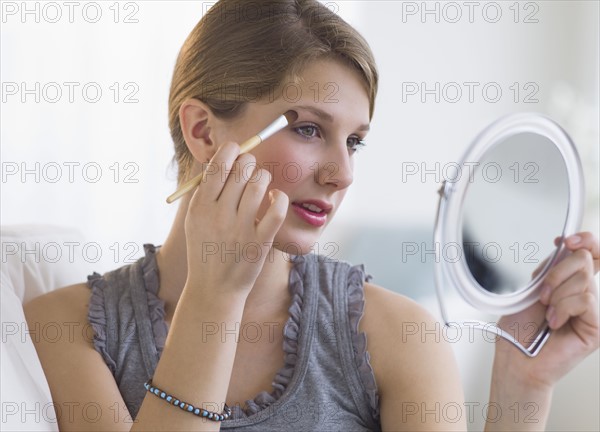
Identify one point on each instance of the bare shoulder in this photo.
(63, 300)
(60, 314)
(393, 324)
(59, 328)
(393, 304)
(410, 360)
(77, 374)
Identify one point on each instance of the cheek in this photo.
(289, 164)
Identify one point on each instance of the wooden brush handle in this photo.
(193, 183)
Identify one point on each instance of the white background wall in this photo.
(556, 55)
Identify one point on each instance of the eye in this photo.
(355, 143)
(308, 131)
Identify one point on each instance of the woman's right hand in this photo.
(226, 243)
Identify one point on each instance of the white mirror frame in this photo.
(448, 227)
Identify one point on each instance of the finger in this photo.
(579, 260)
(576, 284)
(585, 240)
(583, 306)
(557, 240)
(241, 173)
(217, 171)
(254, 193)
(540, 267)
(275, 215)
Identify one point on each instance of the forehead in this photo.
(331, 86)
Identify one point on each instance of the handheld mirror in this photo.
(518, 187)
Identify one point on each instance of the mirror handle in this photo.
(531, 351)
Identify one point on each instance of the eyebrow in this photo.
(326, 116)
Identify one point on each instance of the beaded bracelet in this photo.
(200, 412)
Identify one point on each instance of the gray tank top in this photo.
(326, 383)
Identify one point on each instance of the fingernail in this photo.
(574, 239)
(551, 316)
(545, 294)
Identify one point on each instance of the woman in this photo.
(203, 318)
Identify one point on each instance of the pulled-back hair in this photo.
(242, 51)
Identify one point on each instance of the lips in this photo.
(324, 207)
(309, 215)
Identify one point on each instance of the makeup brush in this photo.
(279, 123)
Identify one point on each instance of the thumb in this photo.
(275, 214)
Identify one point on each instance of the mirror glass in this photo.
(515, 204)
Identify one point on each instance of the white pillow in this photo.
(31, 266)
(40, 258)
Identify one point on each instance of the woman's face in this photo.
(312, 159)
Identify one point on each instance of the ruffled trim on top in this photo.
(291, 332)
(156, 306)
(97, 318)
(356, 304)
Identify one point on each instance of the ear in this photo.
(196, 120)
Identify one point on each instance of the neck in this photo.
(269, 294)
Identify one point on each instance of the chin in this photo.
(297, 241)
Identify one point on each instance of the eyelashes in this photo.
(301, 129)
(358, 144)
(353, 142)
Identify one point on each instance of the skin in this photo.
(230, 210)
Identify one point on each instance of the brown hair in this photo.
(241, 51)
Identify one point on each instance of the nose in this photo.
(336, 168)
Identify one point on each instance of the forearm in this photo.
(515, 404)
(196, 363)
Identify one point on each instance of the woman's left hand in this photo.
(569, 303)
(522, 386)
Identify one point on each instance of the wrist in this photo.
(513, 369)
(515, 407)
(209, 292)
(509, 386)
(204, 303)
(519, 401)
